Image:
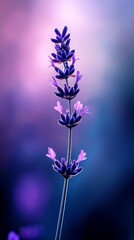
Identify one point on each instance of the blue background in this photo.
(100, 203)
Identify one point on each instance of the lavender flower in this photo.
(68, 92)
(63, 53)
(66, 57)
(71, 120)
(65, 169)
(68, 71)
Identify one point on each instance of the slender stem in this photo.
(65, 186)
(69, 150)
(66, 180)
(62, 210)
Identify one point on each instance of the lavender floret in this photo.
(65, 169)
(72, 120)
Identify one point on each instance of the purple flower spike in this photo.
(63, 53)
(51, 154)
(13, 236)
(69, 119)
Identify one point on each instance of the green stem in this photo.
(65, 186)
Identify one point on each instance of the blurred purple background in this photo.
(100, 202)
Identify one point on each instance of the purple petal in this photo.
(78, 106)
(63, 117)
(67, 36)
(59, 94)
(85, 110)
(57, 32)
(53, 83)
(58, 164)
(62, 122)
(64, 31)
(57, 47)
(74, 172)
(60, 90)
(52, 61)
(53, 55)
(54, 40)
(76, 91)
(63, 160)
(63, 168)
(55, 168)
(59, 38)
(81, 156)
(74, 59)
(68, 42)
(51, 154)
(74, 165)
(58, 107)
(78, 76)
(79, 169)
(78, 118)
(72, 120)
(69, 55)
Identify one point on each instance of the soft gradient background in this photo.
(100, 202)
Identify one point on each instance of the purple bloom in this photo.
(51, 154)
(65, 169)
(71, 120)
(68, 71)
(79, 108)
(67, 92)
(82, 156)
(13, 236)
(63, 53)
(58, 107)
